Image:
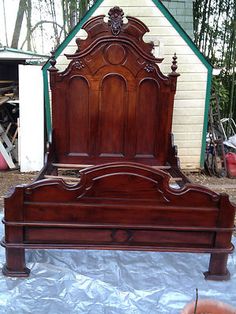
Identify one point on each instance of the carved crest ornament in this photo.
(116, 15)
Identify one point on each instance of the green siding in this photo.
(182, 10)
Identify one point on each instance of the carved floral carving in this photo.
(149, 68)
(115, 20)
(79, 64)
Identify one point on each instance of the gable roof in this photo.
(18, 54)
(163, 10)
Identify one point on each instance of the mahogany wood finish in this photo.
(124, 206)
(112, 104)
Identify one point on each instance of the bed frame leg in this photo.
(218, 267)
(15, 263)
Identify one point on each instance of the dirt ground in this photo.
(9, 179)
(219, 185)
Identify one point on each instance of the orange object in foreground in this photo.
(209, 306)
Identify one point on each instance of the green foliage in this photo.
(73, 11)
(215, 35)
(52, 20)
(219, 90)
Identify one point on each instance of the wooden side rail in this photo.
(82, 166)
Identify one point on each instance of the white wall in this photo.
(31, 131)
(191, 88)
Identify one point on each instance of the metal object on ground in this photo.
(215, 162)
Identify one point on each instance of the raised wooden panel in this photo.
(160, 28)
(121, 236)
(78, 116)
(146, 118)
(112, 116)
(118, 115)
(115, 54)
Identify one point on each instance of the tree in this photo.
(215, 35)
(28, 13)
(5, 23)
(49, 22)
(18, 23)
(73, 11)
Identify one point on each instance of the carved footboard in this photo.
(123, 206)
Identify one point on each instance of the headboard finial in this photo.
(116, 15)
(174, 66)
(53, 61)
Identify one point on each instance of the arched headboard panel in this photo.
(112, 103)
(77, 114)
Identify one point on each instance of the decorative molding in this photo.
(116, 15)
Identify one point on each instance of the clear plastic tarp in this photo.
(111, 282)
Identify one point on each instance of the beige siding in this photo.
(191, 91)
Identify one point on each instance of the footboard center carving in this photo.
(121, 236)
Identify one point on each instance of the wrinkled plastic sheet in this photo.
(111, 282)
(231, 142)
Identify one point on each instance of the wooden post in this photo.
(15, 263)
(14, 235)
(218, 261)
(218, 268)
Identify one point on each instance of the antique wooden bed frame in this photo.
(112, 117)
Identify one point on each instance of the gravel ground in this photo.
(11, 178)
(219, 185)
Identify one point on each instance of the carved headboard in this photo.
(112, 103)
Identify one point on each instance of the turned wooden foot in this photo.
(218, 268)
(15, 263)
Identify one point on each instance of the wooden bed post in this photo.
(15, 263)
(218, 267)
(218, 261)
(14, 235)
